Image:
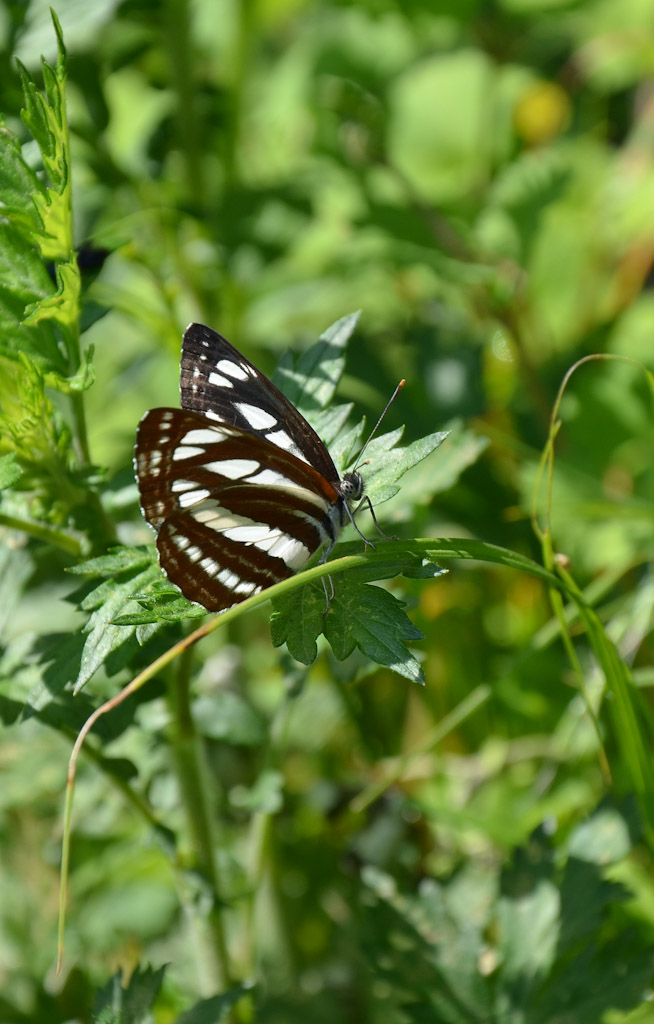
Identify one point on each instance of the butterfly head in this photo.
(351, 486)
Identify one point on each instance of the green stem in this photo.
(80, 428)
(196, 794)
(45, 533)
(624, 706)
(178, 19)
(259, 837)
(71, 331)
(240, 57)
(559, 611)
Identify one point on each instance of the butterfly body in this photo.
(238, 486)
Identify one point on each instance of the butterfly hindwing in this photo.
(233, 512)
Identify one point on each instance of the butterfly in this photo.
(238, 486)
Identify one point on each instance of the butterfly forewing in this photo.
(219, 382)
(234, 513)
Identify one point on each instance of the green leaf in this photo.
(62, 305)
(311, 383)
(118, 560)
(45, 117)
(359, 616)
(34, 114)
(328, 424)
(23, 282)
(108, 643)
(344, 447)
(225, 715)
(439, 472)
(132, 1004)
(10, 472)
(545, 953)
(425, 952)
(215, 1009)
(373, 620)
(603, 839)
(388, 464)
(161, 601)
(17, 183)
(297, 620)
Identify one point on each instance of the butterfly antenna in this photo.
(376, 426)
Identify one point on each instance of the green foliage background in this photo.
(332, 841)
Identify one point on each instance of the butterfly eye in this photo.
(351, 486)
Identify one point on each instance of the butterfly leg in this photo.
(366, 501)
(329, 592)
(351, 514)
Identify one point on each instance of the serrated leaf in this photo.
(59, 656)
(312, 382)
(389, 464)
(177, 609)
(131, 571)
(119, 559)
(24, 281)
(131, 1004)
(431, 969)
(528, 926)
(342, 450)
(63, 305)
(440, 471)
(106, 643)
(34, 112)
(373, 620)
(603, 839)
(10, 471)
(161, 601)
(78, 382)
(359, 616)
(554, 956)
(17, 182)
(297, 621)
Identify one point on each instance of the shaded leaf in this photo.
(215, 1009)
(428, 946)
(359, 616)
(439, 472)
(373, 620)
(132, 1004)
(297, 620)
(311, 383)
(226, 716)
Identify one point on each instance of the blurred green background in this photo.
(478, 178)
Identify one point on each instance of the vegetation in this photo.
(436, 802)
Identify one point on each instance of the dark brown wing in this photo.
(234, 513)
(219, 382)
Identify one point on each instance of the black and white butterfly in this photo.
(238, 486)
